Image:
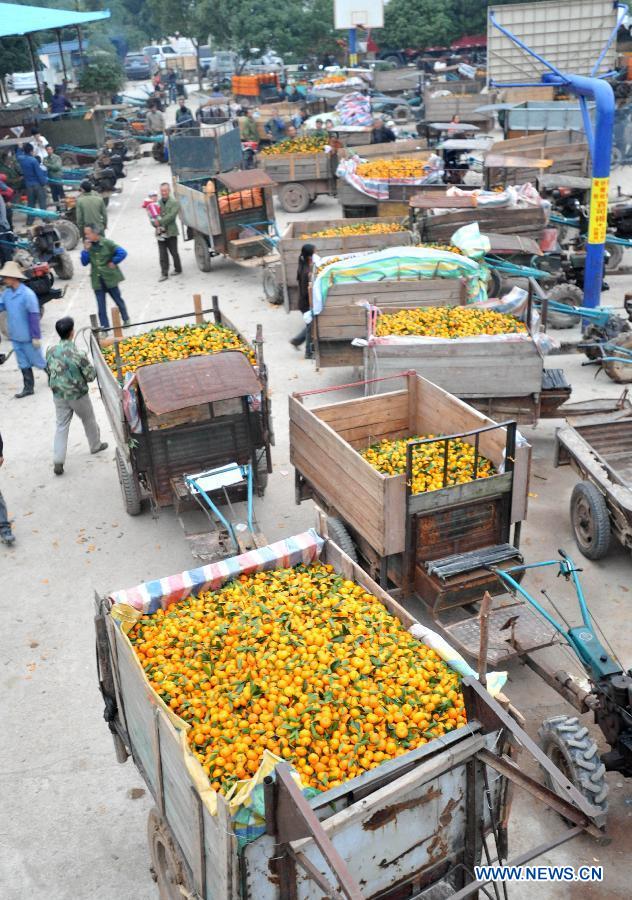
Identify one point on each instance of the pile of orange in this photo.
(356, 228)
(301, 662)
(399, 167)
(174, 342)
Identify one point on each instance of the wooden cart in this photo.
(414, 823)
(435, 217)
(437, 545)
(292, 240)
(599, 449)
(186, 416)
(301, 177)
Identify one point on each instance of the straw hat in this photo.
(12, 270)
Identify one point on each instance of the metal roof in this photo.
(16, 19)
(181, 383)
(242, 179)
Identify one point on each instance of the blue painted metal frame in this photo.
(599, 141)
(246, 474)
(581, 639)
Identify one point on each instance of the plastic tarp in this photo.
(398, 264)
(16, 19)
(355, 109)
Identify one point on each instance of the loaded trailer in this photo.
(300, 177)
(181, 417)
(413, 826)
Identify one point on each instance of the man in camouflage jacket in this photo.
(69, 372)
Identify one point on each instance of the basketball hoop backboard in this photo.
(355, 13)
(570, 34)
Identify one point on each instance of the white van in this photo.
(25, 83)
(159, 54)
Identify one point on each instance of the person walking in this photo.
(90, 209)
(23, 322)
(103, 257)
(6, 534)
(35, 179)
(184, 119)
(154, 119)
(69, 373)
(172, 85)
(303, 274)
(167, 232)
(54, 168)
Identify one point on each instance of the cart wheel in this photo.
(68, 233)
(567, 744)
(202, 255)
(294, 198)
(63, 266)
(168, 866)
(272, 290)
(570, 295)
(69, 160)
(340, 536)
(621, 372)
(495, 284)
(129, 485)
(615, 258)
(590, 520)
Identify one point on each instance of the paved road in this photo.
(71, 828)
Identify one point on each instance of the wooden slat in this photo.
(363, 409)
(469, 493)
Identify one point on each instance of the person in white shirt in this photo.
(39, 144)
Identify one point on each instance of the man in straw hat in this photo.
(23, 321)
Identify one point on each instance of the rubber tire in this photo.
(169, 868)
(68, 233)
(272, 290)
(129, 486)
(393, 61)
(63, 266)
(401, 114)
(340, 536)
(201, 250)
(595, 545)
(495, 284)
(616, 257)
(569, 294)
(565, 740)
(294, 197)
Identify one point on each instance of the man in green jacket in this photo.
(90, 209)
(54, 167)
(69, 371)
(103, 257)
(167, 232)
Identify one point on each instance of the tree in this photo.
(417, 23)
(104, 77)
(14, 56)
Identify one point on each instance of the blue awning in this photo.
(18, 20)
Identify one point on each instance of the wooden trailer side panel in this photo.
(285, 167)
(338, 474)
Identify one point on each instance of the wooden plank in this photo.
(457, 494)
(361, 409)
(336, 354)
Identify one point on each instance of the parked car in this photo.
(225, 63)
(138, 66)
(159, 54)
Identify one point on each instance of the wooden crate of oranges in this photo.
(351, 457)
(332, 237)
(386, 756)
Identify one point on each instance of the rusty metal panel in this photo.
(242, 179)
(181, 383)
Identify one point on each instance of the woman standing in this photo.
(303, 275)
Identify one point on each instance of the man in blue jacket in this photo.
(35, 179)
(23, 320)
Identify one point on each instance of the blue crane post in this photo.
(599, 144)
(353, 59)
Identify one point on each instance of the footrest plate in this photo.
(514, 629)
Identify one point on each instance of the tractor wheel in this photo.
(621, 372)
(590, 520)
(341, 537)
(569, 295)
(495, 284)
(129, 486)
(168, 866)
(63, 266)
(68, 233)
(202, 255)
(401, 113)
(615, 258)
(272, 290)
(569, 746)
(294, 197)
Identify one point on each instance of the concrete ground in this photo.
(72, 819)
